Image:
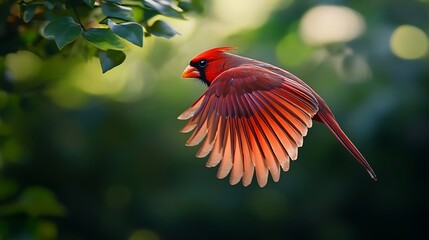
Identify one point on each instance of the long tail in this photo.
(325, 115)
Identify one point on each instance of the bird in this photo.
(253, 117)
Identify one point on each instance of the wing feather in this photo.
(192, 109)
(266, 137)
(237, 168)
(299, 128)
(253, 121)
(248, 157)
(288, 133)
(207, 146)
(258, 157)
(281, 141)
(226, 163)
(216, 155)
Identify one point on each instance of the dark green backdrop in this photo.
(77, 162)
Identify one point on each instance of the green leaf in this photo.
(164, 7)
(131, 31)
(103, 39)
(90, 3)
(110, 59)
(192, 6)
(63, 30)
(162, 29)
(28, 11)
(149, 13)
(117, 11)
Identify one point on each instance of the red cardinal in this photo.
(253, 116)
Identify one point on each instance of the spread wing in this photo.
(250, 118)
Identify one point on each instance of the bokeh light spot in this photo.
(60, 95)
(331, 24)
(144, 234)
(409, 42)
(24, 65)
(46, 230)
(242, 14)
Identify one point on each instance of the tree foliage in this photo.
(105, 25)
(92, 28)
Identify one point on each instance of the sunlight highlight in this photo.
(243, 14)
(331, 24)
(120, 83)
(23, 65)
(409, 42)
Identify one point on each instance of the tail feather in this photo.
(325, 115)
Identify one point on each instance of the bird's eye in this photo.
(202, 63)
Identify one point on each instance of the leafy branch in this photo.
(104, 24)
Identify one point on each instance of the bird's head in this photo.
(207, 65)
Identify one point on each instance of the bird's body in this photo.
(253, 116)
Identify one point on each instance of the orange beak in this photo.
(190, 72)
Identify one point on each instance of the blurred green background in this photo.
(85, 155)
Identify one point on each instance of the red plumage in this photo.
(253, 116)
